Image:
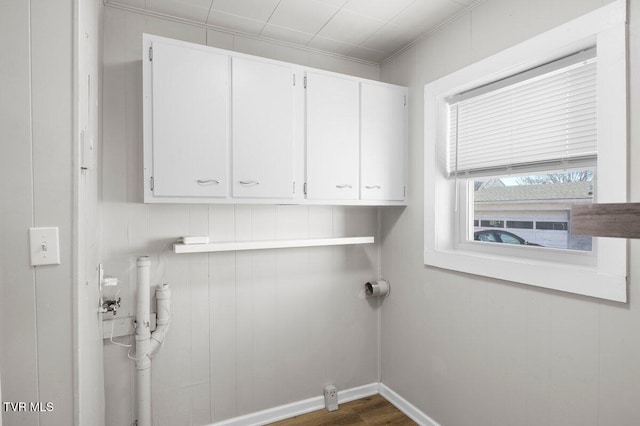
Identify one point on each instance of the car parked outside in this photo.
(498, 236)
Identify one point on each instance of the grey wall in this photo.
(250, 330)
(36, 182)
(468, 350)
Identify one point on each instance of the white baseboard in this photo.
(406, 407)
(297, 408)
(317, 403)
(352, 394)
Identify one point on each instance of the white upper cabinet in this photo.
(332, 137)
(190, 116)
(263, 129)
(225, 127)
(382, 142)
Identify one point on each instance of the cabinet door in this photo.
(190, 91)
(263, 120)
(382, 142)
(332, 137)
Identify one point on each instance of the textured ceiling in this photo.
(370, 30)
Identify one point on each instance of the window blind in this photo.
(540, 119)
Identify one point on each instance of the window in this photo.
(540, 121)
(492, 223)
(541, 199)
(519, 224)
(489, 237)
(512, 141)
(555, 226)
(509, 239)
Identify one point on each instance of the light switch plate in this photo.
(45, 248)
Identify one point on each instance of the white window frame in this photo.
(601, 273)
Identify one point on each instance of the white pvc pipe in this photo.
(148, 343)
(143, 367)
(163, 305)
(143, 362)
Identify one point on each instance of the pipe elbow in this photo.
(157, 337)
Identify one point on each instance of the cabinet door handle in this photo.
(249, 182)
(372, 187)
(344, 185)
(208, 181)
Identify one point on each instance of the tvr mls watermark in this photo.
(27, 407)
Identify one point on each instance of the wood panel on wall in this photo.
(17, 281)
(36, 118)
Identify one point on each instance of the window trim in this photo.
(601, 274)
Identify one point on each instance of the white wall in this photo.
(89, 368)
(36, 182)
(468, 350)
(250, 330)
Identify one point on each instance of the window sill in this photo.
(578, 279)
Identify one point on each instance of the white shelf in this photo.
(275, 244)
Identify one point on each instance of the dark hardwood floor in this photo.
(373, 410)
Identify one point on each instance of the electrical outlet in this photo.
(45, 248)
(331, 398)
